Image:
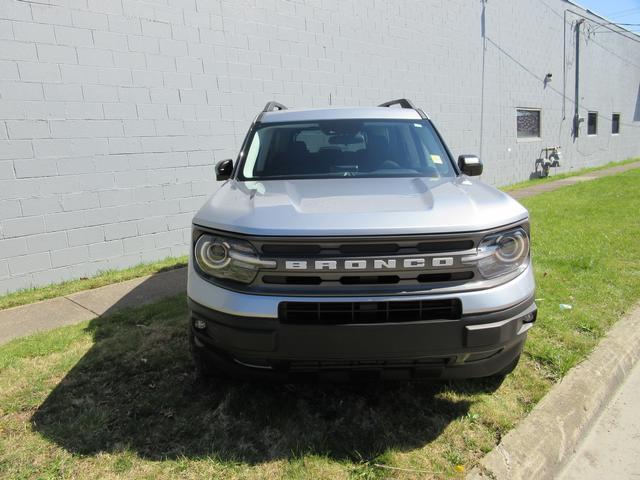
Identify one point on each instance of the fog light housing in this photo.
(530, 317)
(199, 324)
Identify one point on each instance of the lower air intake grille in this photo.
(335, 313)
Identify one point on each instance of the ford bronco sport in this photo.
(347, 242)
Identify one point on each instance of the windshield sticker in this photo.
(436, 159)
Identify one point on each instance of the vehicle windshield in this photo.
(346, 148)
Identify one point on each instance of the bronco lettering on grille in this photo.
(369, 264)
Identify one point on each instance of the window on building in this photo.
(615, 124)
(592, 123)
(528, 122)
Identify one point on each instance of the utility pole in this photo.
(576, 114)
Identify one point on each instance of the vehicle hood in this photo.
(358, 206)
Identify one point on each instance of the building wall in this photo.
(113, 112)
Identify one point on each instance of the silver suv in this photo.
(346, 242)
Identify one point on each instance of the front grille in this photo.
(370, 280)
(337, 248)
(390, 276)
(356, 369)
(347, 266)
(291, 280)
(445, 277)
(366, 279)
(371, 369)
(335, 313)
(369, 249)
(450, 246)
(284, 250)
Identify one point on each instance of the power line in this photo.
(610, 30)
(628, 14)
(615, 54)
(625, 24)
(623, 12)
(584, 109)
(626, 27)
(562, 93)
(605, 25)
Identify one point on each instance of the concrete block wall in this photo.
(113, 112)
(524, 42)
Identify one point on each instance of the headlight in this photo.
(501, 253)
(228, 258)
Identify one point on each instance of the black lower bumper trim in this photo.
(474, 346)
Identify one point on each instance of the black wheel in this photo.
(509, 368)
(203, 367)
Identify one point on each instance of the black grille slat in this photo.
(369, 249)
(444, 277)
(369, 279)
(291, 249)
(333, 313)
(363, 250)
(366, 279)
(291, 280)
(314, 366)
(448, 246)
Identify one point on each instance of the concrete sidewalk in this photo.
(555, 185)
(610, 449)
(77, 307)
(88, 304)
(547, 439)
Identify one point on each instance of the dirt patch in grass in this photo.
(116, 397)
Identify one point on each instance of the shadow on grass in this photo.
(135, 390)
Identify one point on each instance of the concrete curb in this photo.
(541, 444)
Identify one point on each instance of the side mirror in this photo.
(224, 169)
(470, 165)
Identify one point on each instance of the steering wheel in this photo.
(389, 165)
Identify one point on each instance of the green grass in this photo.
(30, 295)
(551, 178)
(116, 397)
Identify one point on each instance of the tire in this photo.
(509, 368)
(203, 367)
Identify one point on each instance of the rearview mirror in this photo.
(470, 165)
(224, 169)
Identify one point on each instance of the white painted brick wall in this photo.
(113, 112)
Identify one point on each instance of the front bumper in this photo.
(244, 337)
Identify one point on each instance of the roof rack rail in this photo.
(404, 103)
(269, 107)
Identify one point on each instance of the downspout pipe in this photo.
(576, 114)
